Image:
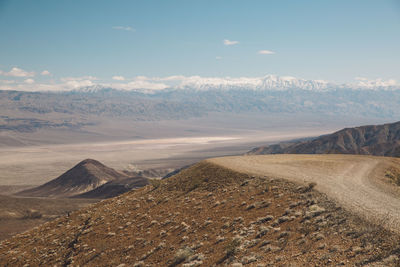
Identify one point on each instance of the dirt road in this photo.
(355, 182)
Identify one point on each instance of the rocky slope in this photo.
(88, 175)
(378, 140)
(207, 215)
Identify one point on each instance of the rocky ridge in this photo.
(378, 140)
(207, 215)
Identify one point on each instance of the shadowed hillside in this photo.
(378, 140)
(204, 216)
(85, 176)
(115, 188)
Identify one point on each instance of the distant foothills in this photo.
(88, 179)
(378, 140)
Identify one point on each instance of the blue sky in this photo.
(330, 40)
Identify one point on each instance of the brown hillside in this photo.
(378, 140)
(85, 176)
(18, 214)
(206, 215)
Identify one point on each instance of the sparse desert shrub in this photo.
(310, 186)
(250, 207)
(232, 247)
(180, 256)
(219, 239)
(307, 188)
(32, 214)
(195, 183)
(226, 225)
(394, 176)
(266, 189)
(156, 183)
(163, 233)
(216, 203)
(207, 222)
(249, 259)
(153, 222)
(397, 180)
(139, 264)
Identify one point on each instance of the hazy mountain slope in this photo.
(85, 176)
(203, 216)
(27, 111)
(32, 118)
(379, 140)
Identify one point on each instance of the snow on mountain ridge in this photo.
(268, 82)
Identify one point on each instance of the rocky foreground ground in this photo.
(207, 215)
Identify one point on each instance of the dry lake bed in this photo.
(21, 167)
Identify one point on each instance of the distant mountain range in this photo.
(379, 140)
(88, 179)
(190, 102)
(232, 103)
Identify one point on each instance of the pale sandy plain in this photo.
(355, 182)
(34, 165)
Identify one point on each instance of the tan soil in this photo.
(354, 182)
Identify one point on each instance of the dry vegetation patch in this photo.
(393, 174)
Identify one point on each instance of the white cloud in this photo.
(139, 85)
(64, 84)
(141, 78)
(7, 81)
(118, 78)
(90, 78)
(17, 72)
(229, 42)
(266, 52)
(124, 28)
(170, 78)
(45, 73)
(147, 85)
(29, 81)
(218, 58)
(77, 84)
(218, 82)
(373, 83)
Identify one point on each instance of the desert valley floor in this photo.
(34, 165)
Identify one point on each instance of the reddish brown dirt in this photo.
(207, 215)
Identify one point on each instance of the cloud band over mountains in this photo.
(22, 80)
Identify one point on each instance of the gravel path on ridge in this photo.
(355, 182)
